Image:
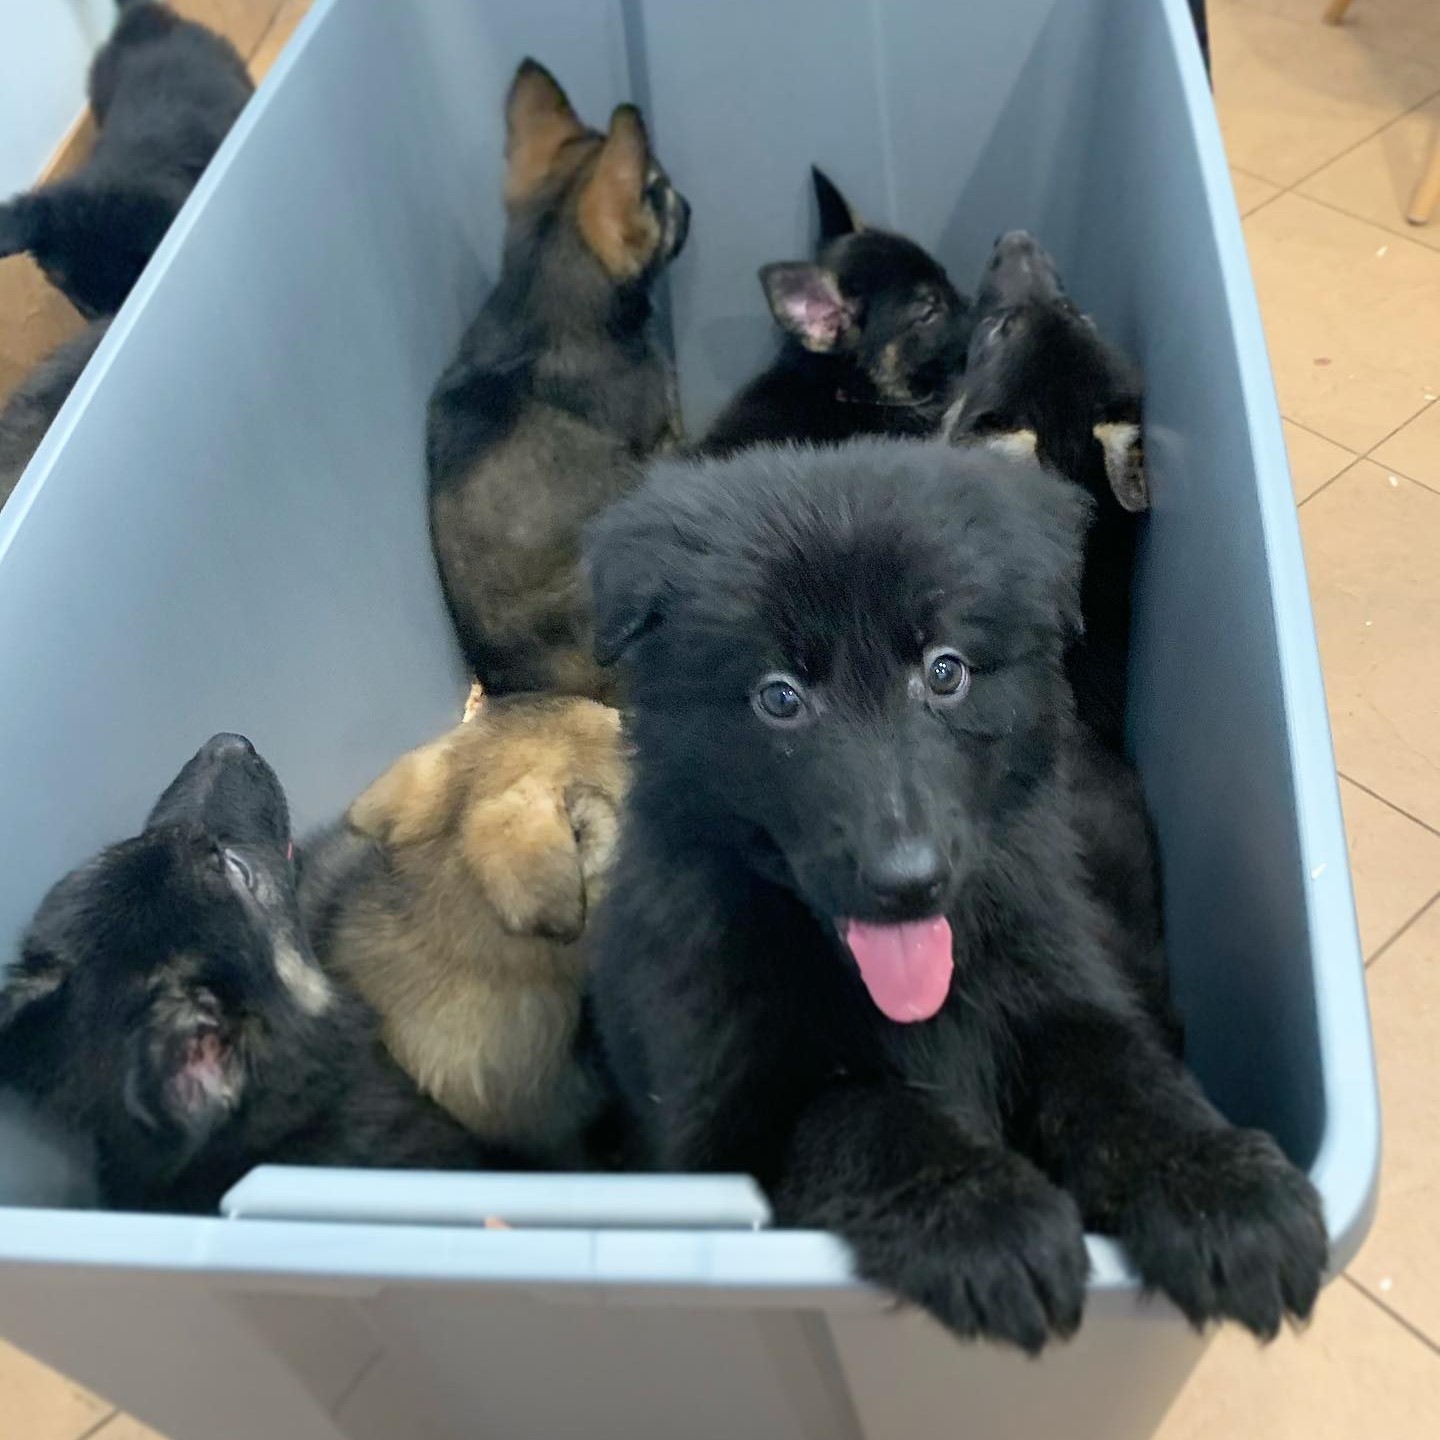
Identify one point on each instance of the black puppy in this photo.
(875, 336)
(165, 92)
(166, 1005)
(559, 392)
(851, 946)
(1042, 380)
(36, 402)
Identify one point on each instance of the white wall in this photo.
(45, 50)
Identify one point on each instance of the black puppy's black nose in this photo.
(911, 874)
(228, 747)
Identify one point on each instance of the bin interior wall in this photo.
(226, 530)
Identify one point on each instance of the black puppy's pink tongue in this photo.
(906, 968)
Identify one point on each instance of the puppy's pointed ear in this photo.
(837, 216)
(539, 123)
(412, 801)
(613, 217)
(1125, 463)
(806, 301)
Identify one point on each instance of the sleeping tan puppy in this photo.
(452, 894)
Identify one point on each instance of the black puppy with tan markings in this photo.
(167, 1006)
(559, 392)
(874, 338)
(853, 943)
(453, 894)
(1042, 380)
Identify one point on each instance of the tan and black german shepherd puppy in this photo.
(451, 895)
(559, 392)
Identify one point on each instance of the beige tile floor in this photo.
(1327, 130)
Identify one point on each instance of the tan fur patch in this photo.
(522, 849)
(539, 124)
(951, 418)
(1017, 445)
(411, 801)
(308, 984)
(614, 221)
(1125, 463)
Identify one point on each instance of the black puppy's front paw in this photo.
(1228, 1228)
(995, 1253)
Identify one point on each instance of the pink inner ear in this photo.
(815, 310)
(821, 317)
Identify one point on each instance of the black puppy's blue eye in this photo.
(947, 676)
(779, 700)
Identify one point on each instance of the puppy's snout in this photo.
(909, 877)
(1021, 270)
(228, 747)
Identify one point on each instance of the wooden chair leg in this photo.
(1335, 11)
(1427, 192)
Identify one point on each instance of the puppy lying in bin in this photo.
(166, 1007)
(853, 945)
(1041, 380)
(164, 92)
(453, 893)
(559, 391)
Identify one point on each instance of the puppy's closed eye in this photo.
(522, 847)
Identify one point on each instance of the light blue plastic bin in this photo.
(226, 530)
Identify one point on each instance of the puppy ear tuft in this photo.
(837, 216)
(1125, 463)
(539, 123)
(806, 301)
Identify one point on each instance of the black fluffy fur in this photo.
(165, 92)
(36, 401)
(1039, 367)
(166, 1006)
(890, 366)
(960, 1156)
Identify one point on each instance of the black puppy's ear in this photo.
(837, 216)
(806, 301)
(1125, 463)
(622, 565)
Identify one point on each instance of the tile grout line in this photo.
(1350, 149)
(1401, 932)
(1367, 455)
(1376, 795)
(1395, 1315)
(1400, 474)
(1311, 430)
(1326, 484)
(99, 1425)
(356, 1381)
(1390, 235)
